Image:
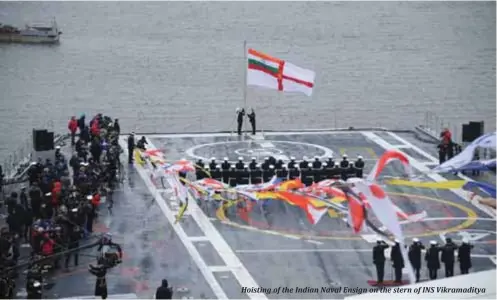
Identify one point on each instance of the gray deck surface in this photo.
(280, 249)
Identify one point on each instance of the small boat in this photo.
(37, 34)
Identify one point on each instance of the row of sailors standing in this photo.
(255, 173)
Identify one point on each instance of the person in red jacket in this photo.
(56, 190)
(95, 129)
(446, 142)
(73, 127)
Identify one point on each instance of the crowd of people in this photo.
(309, 171)
(434, 256)
(55, 213)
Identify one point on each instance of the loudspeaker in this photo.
(43, 140)
(38, 139)
(476, 128)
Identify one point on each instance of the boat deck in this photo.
(203, 257)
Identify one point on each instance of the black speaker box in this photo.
(466, 135)
(49, 141)
(477, 128)
(38, 139)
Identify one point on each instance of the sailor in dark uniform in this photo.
(291, 164)
(294, 173)
(131, 147)
(350, 171)
(432, 257)
(256, 175)
(319, 173)
(225, 172)
(243, 176)
(213, 164)
(379, 259)
(282, 173)
(251, 117)
(359, 166)
(232, 175)
(327, 171)
(253, 164)
(337, 171)
(304, 164)
(272, 161)
(397, 261)
(448, 257)
(278, 164)
(415, 256)
(316, 164)
(265, 165)
(330, 162)
(464, 256)
(268, 174)
(200, 170)
(216, 173)
(225, 166)
(240, 114)
(240, 164)
(345, 162)
(306, 175)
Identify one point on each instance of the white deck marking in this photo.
(198, 238)
(197, 258)
(425, 170)
(220, 245)
(493, 259)
(219, 269)
(193, 135)
(268, 145)
(314, 242)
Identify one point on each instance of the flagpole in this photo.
(245, 74)
(245, 67)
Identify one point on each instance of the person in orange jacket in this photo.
(56, 190)
(73, 127)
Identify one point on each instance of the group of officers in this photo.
(309, 171)
(434, 255)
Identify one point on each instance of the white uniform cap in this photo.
(36, 284)
(304, 158)
(33, 163)
(415, 240)
(213, 158)
(207, 168)
(183, 159)
(292, 158)
(309, 165)
(82, 163)
(245, 166)
(337, 164)
(325, 164)
(74, 209)
(48, 194)
(433, 242)
(240, 158)
(89, 197)
(132, 133)
(396, 240)
(316, 157)
(379, 239)
(344, 156)
(225, 158)
(258, 165)
(271, 167)
(284, 167)
(233, 166)
(266, 158)
(253, 158)
(237, 109)
(331, 156)
(218, 166)
(359, 157)
(57, 147)
(465, 241)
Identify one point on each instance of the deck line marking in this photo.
(493, 259)
(198, 239)
(220, 245)
(195, 255)
(235, 136)
(266, 144)
(425, 170)
(314, 242)
(256, 251)
(219, 269)
(448, 219)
